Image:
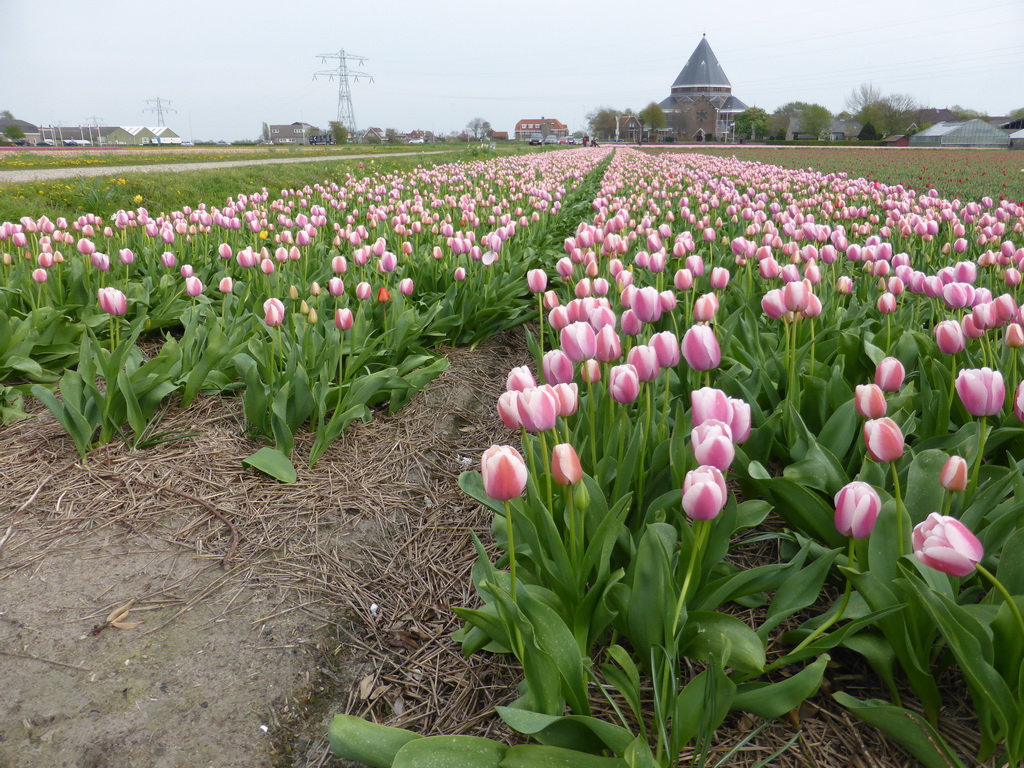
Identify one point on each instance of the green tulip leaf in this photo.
(273, 462)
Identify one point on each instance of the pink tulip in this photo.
(773, 305)
(683, 280)
(870, 401)
(953, 476)
(538, 408)
(609, 346)
(226, 285)
(666, 347)
(645, 360)
(719, 278)
(508, 410)
(631, 324)
(460, 274)
(363, 291)
(579, 341)
(565, 465)
(857, 507)
(945, 544)
(704, 308)
(193, 286)
(112, 301)
(1018, 402)
(712, 444)
(343, 319)
(646, 303)
(273, 312)
(167, 259)
(537, 280)
(557, 367)
(949, 337)
(405, 286)
(889, 375)
(704, 493)
(503, 471)
(700, 348)
(981, 390)
(568, 398)
(623, 383)
(844, 285)
(590, 371)
(519, 379)
(883, 439)
(40, 275)
(126, 256)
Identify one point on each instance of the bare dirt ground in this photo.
(337, 595)
(267, 608)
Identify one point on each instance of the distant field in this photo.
(967, 174)
(167, 191)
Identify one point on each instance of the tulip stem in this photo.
(540, 319)
(593, 428)
(547, 475)
(1007, 597)
(899, 510)
(973, 486)
(700, 529)
(517, 639)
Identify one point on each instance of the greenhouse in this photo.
(961, 133)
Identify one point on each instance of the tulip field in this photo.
(725, 353)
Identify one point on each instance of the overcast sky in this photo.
(228, 67)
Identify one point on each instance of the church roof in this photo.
(702, 69)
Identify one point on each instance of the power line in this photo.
(346, 114)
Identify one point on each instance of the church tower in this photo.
(701, 105)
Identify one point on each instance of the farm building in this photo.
(896, 140)
(701, 104)
(961, 133)
(1017, 140)
(136, 135)
(293, 133)
(24, 130)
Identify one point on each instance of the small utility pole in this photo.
(346, 115)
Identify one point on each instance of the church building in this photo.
(701, 106)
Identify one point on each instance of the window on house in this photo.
(274, 130)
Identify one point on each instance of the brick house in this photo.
(545, 126)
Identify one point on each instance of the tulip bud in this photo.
(870, 401)
(565, 465)
(953, 476)
(504, 472)
(883, 439)
(857, 508)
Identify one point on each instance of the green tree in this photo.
(391, 135)
(897, 112)
(752, 122)
(653, 117)
(601, 121)
(1017, 113)
(7, 115)
(266, 132)
(815, 120)
(869, 133)
(965, 113)
(339, 131)
(14, 133)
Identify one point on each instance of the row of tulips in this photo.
(921, 520)
(399, 263)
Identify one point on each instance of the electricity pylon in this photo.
(346, 115)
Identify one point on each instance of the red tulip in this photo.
(504, 472)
